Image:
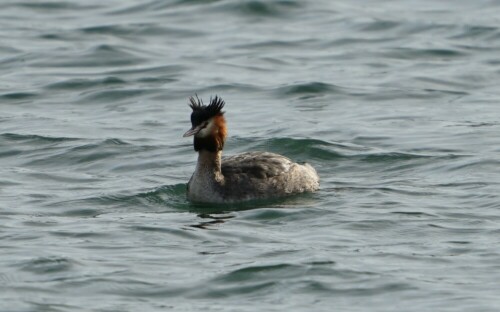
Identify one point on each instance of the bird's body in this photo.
(247, 176)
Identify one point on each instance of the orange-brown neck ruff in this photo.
(214, 142)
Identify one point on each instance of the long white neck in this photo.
(209, 165)
(207, 182)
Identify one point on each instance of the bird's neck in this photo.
(211, 144)
(209, 164)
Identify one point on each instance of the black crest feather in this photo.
(195, 103)
(203, 112)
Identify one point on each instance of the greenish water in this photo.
(396, 103)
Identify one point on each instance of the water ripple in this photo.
(48, 265)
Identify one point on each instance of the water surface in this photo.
(394, 102)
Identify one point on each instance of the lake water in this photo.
(396, 103)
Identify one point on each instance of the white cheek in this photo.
(207, 131)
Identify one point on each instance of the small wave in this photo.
(472, 163)
(64, 177)
(45, 265)
(273, 44)
(280, 215)
(389, 156)
(140, 29)
(475, 32)
(140, 71)
(249, 273)
(81, 84)
(14, 96)
(309, 88)
(235, 87)
(80, 154)
(107, 96)
(144, 6)
(103, 55)
(276, 8)
(416, 214)
(160, 199)
(169, 195)
(254, 279)
(379, 25)
(34, 139)
(416, 54)
(51, 6)
(384, 189)
(436, 81)
(116, 30)
(305, 149)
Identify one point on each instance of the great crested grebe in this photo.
(247, 176)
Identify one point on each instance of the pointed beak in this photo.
(192, 131)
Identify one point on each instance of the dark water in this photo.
(396, 103)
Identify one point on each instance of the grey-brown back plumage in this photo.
(265, 175)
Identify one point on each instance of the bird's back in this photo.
(259, 175)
